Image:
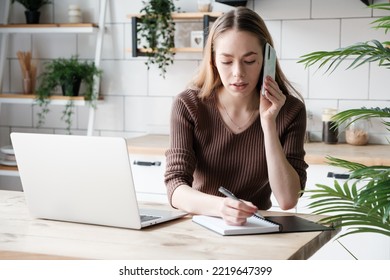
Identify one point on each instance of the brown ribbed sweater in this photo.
(205, 154)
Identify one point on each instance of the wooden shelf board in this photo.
(30, 99)
(49, 28)
(185, 16)
(175, 50)
(6, 170)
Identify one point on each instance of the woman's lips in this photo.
(239, 86)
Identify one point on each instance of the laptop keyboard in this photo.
(145, 218)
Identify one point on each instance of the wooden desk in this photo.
(22, 237)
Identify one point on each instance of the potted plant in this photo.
(234, 3)
(363, 202)
(68, 74)
(157, 32)
(32, 12)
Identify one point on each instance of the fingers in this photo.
(272, 91)
(236, 212)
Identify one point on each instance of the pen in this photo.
(231, 195)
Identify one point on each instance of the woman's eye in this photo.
(250, 62)
(226, 62)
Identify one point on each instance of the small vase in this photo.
(32, 17)
(27, 89)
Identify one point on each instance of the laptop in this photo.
(83, 179)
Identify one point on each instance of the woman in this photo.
(225, 133)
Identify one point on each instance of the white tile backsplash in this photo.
(300, 37)
(144, 113)
(339, 85)
(109, 115)
(16, 115)
(297, 75)
(124, 77)
(113, 44)
(138, 100)
(19, 42)
(275, 29)
(52, 46)
(366, 32)
(178, 76)
(339, 9)
(377, 90)
(283, 9)
(86, 46)
(118, 10)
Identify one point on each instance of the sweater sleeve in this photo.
(293, 135)
(180, 156)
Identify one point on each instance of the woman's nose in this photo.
(238, 71)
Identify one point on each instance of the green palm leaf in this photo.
(363, 209)
(370, 51)
(363, 202)
(351, 166)
(351, 115)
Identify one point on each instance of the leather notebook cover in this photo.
(296, 224)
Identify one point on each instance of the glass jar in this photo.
(329, 129)
(357, 132)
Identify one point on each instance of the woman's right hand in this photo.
(235, 212)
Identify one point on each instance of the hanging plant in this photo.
(67, 74)
(157, 32)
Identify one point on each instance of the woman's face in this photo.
(239, 59)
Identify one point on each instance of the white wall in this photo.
(137, 101)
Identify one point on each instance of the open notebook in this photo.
(254, 225)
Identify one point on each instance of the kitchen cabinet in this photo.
(148, 176)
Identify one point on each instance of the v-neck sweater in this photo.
(205, 154)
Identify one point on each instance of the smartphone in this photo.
(269, 63)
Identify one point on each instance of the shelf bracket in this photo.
(134, 38)
(206, 24)
(134, 33)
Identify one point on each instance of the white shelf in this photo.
(185, 16)
(8, 170)
(31, 99)
(53, 28)
(49, 28)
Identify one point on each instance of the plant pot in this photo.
(71, 88)
(234, 3)
(32, 17)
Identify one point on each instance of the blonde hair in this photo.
(207, 79)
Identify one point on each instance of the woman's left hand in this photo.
(272, 101)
